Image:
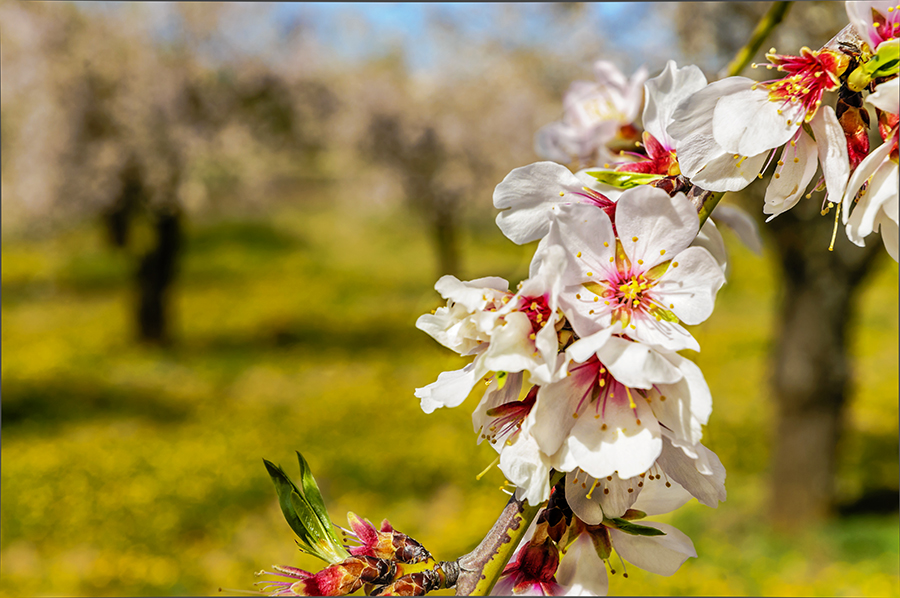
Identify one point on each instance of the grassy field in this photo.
(130, 470)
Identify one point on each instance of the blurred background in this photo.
(221, 221)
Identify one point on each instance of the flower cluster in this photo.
(580, 362)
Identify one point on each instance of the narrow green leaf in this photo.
(624, 180)
(311, 491)
(633, 528)
(284, 487)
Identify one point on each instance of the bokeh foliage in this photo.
(138, 471)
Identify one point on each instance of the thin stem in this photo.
(481, 568)
(765, 27)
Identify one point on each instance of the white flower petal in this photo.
(527, 467)
(800, 164)
(887, 96)
(662, 555)
(584, 348)
(529, 195)
(864, 170)
(663, 95)
(688, 403)
(832, 148)
(450, 389)
(592, 499)
(652, 226)
(656, 498)
(689, 288)
(625, 445)
(748, 123)
(636, 365)
(724, 172)
(472, 294)
(581, 569)
(709, 489)
(881, 190)
(551, 418)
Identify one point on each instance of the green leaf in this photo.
(311, 492)
(632, 514)
(633, 528)
(284, 488)
(624, 180)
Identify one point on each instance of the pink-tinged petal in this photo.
(630, 443)
(688, 402)
(889, 234)
(882, 188)
(742, 224)
(863, 172)
(663, 95)
(689, 286)
(495, 396)
(886, 96)
(636, 365)
(551, 418)
(708, 489)
(832, 147)
(586, 234)
(581, 570)
(662, 555)
(724, 172)
(748, 123)
(656, 498)
(472, 293)
(860, 16)
(450, 389)
(711, 240)
(654, 227)
(786, 189)
(527, 467)
(504, 587)
(530, 195)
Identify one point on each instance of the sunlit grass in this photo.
(129, 470)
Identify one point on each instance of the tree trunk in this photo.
(811, 371)
(154, 276)
(444, 218)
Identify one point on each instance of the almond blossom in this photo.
(647, 278)
(609, 414)
(505, 332)
(726, 131)
(596, 113)
(877, 206)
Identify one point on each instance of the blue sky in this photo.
(356, 31)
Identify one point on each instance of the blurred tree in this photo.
(418, 159)
(810, 367)
(105, 118)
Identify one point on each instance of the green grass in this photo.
(130, 470)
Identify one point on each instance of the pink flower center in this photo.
(537, 310)
(811, 74)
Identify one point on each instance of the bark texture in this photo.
(811, 373)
